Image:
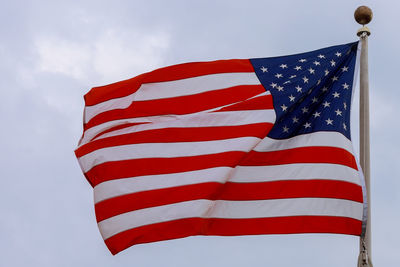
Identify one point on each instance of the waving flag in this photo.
(229, 147)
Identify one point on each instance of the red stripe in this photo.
(181, 71)
(301, 155)
(229, 191)
(232, 227)
(292, 189)
(183, 104)
(138, 167)
(168, 135)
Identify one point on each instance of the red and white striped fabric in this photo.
(183, 151)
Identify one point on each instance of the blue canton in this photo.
(311, 91)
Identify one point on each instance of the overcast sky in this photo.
(53, 52)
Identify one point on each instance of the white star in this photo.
(321, 56)
(283, 66)
(302, 60)
(280, 88)
(319, 81)
(326, 104)
(315, 100)
(292, 76)
(291, 98)
(297, 68)
(316, 63)
(326, 72)
(345, 86)
(338, 54)
(324, 89)
(345, 105)
(345, 68)
(307, 125)
(298, 88)
(284, 108)
(311, 70)
(336, 95)
(338, 112)
(285, 129)
(305, 79)
(344, 127)
(335, 78)
(304, 109)
(316, 114)
(273, 85)
(329, 121)
(278, 75)
(264, 69)
(295, 120)
(287, 82)
(333, 63)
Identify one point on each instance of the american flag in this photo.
(229, 147)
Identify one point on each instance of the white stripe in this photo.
(165, 150)
(202, 119)
(183, 87)
(331, 139)
(240, 174)
(298, 171)
(114, 188)
(231, 210)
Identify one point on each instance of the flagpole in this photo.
(363, 16)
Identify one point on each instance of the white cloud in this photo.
(57, 55)
(111, 56)
(381, 109)
(119, 55)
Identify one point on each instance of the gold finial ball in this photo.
(363, 15)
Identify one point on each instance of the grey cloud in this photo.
(52, 52)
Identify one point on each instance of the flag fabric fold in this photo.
(229, 147)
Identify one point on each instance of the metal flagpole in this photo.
(363, 16)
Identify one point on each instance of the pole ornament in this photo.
(363, 15)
